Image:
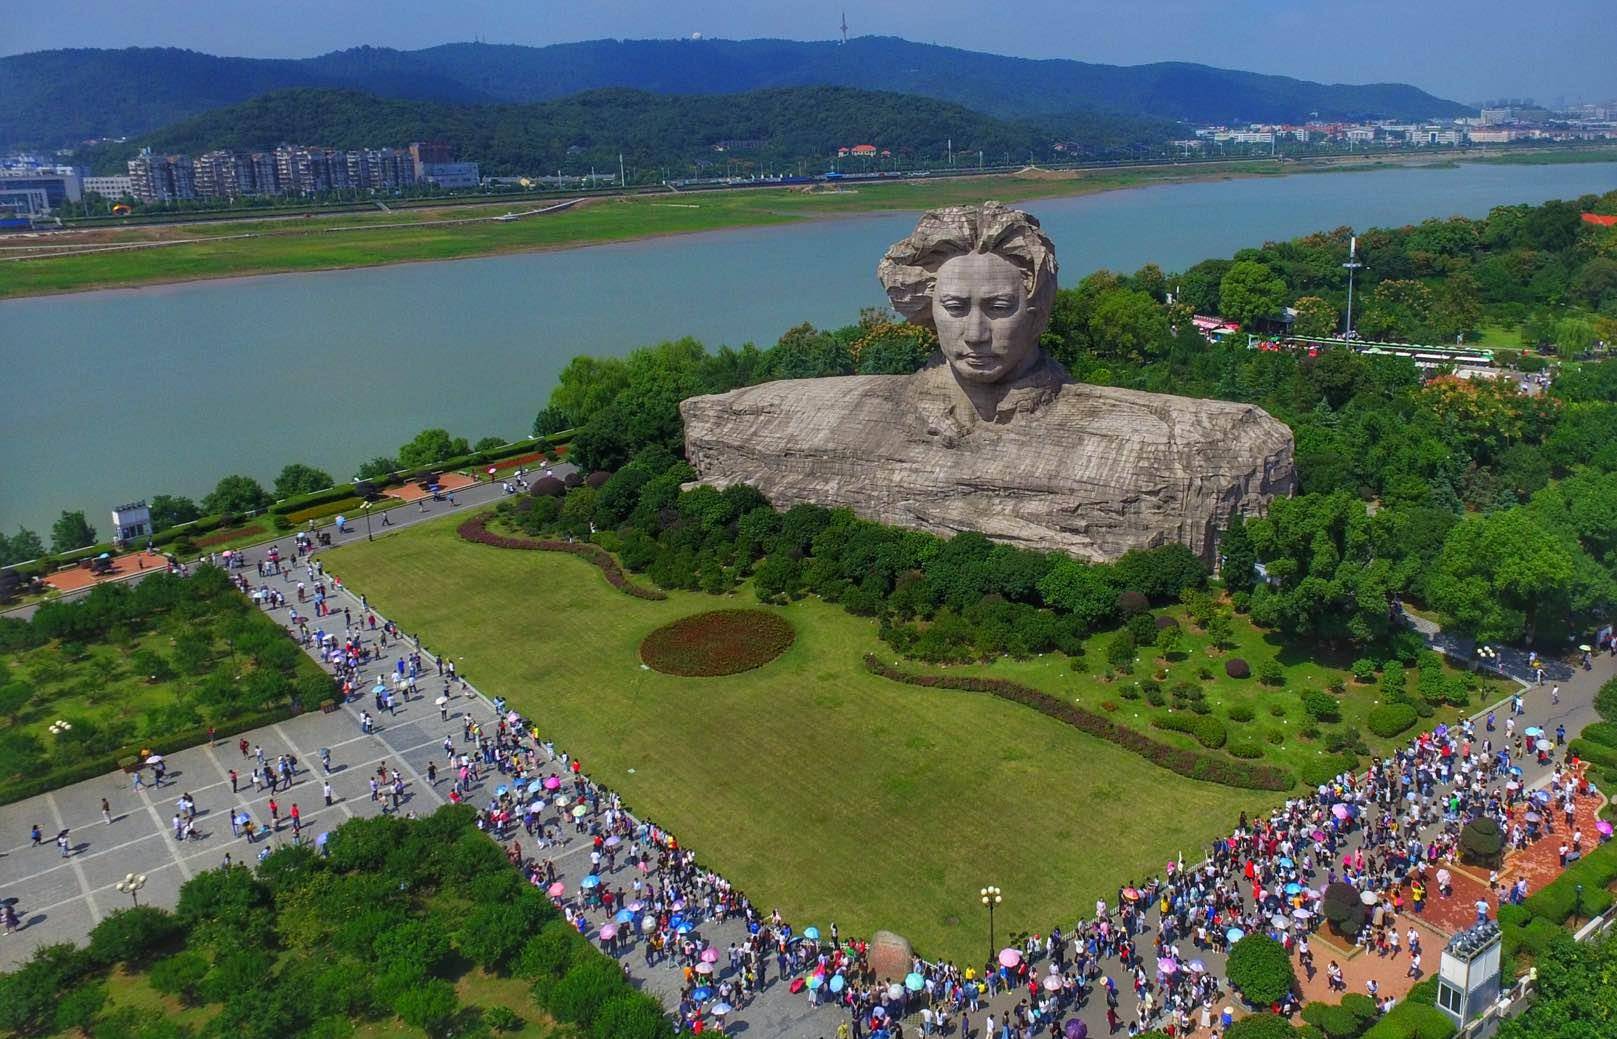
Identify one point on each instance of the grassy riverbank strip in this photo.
(81, 260)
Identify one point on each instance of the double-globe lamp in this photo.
(990, 898)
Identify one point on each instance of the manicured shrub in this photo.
(476, 530)
(1261, 1026)
(1362, 1007)
(78, 1006)
(1277, 710)
(1261, 969)
(547, 487)
(1131, 602)
(1166, 621)
(1343, 909)
(719, 642)
(1271, 673)
(581, 993)
(1603, 733)
(180, 975)
(1394, 682)
(597, 479)
(1364, 670)
(1235, 667)
(1120, 648)
(1245, 747)
(133, 935)
(1275, 736)
(1143, 627)
(1336, 1022)
(1207, 730)
(1240, 712)
(428, 1005)
(1192, 763)
(632, 1015)
(1390, 719)
(1482, 841)
(1321, 706)
(1606, 700)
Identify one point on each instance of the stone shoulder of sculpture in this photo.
(993, 435)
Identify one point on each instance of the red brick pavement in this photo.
(123, 566)
(1540, 860)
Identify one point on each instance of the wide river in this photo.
(121, 394)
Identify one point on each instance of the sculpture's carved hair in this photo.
(909, 271)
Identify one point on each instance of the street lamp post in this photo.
(131, 885)
(365, 506)
(1577, 904)
(990, 897)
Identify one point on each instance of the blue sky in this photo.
(1468, 51)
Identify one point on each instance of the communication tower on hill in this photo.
(844, 26)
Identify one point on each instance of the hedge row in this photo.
(1558, 900)
(101, 764)
(1192, 763)
(1209, 731)
(1595, 753)
(476, 530)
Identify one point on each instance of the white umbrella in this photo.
(1367, 897)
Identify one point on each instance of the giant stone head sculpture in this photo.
(983, 277)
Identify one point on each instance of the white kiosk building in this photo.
(131, 521)
(1468, 979)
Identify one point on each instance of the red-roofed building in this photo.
(1600, 219)
(862, 149)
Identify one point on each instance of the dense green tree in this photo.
(298, 478)
(1574, 996)
(1250, 291)
(237, 494)
(1315, 317)
(1499, 573)
(169, 510)
(71, 530)
(1127, 323)
(20, 547)
(431, 446)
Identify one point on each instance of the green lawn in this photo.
(1100, 689)
(815, 786)
(103, 688)
(1500, 337)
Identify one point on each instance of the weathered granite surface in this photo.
(1092, 471)
(994, 436)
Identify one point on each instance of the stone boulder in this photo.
(890, 956)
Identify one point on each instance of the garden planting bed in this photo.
(719, 642)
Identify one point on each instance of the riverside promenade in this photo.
(61, 899)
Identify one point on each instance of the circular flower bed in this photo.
(720, 642)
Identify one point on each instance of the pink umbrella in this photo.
(1009, 957)
(1603, 828)
(552, 783)
(609, 931)
(1052, 982)
(704, 968)
(710, 955)
(556, 890)
(1339, 810)
(1167, 966)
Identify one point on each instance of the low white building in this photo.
(122, 186)
(131, 521)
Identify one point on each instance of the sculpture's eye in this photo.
(955, 306)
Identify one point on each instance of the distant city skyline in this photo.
(1464, 50)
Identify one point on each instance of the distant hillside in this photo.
(58, 97)
(650, 130)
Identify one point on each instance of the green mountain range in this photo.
(63, 96)
(674, 134)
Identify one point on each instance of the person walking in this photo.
(325, 788)
(106, 811)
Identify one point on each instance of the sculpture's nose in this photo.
(977, 332)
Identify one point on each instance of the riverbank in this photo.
(127, 257)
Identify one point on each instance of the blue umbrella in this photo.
(838, 983)
(1234, 934)
(1284, 862)
(676, 921)
(914, 982)
(624, 916)
(536, 786)
(684, 929)
(378, 688)
(705, 992)
(590, 881)
(1294, 889)
(501, 790)
(811, 933)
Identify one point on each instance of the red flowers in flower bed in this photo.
(1192, 763)
(476, 529)
(719, 642)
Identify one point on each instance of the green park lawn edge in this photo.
(1212, 768)
(475, 530)
(737, 766)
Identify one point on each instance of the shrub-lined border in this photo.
(752, 638)
(476, 530)
(1192, 763)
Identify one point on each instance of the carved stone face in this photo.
(985, 326)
